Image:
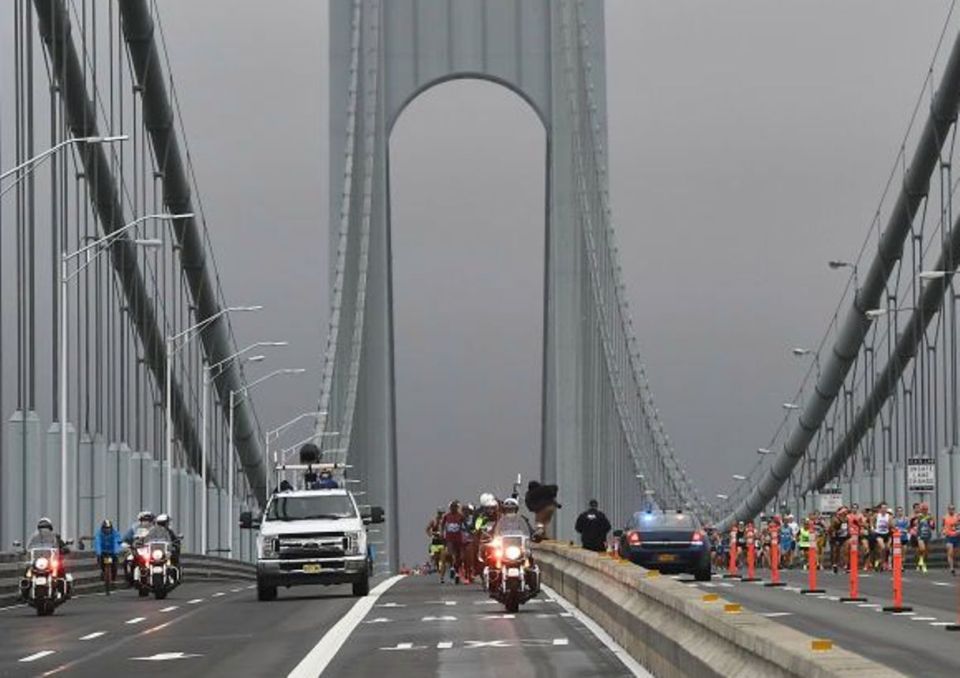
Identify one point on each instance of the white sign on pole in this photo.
(831, 499)
(921, 474)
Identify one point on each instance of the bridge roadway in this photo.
(414, 628)
(913, 643)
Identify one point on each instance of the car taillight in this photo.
(696, 539)
(633, 538)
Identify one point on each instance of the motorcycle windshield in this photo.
(157, 534)
(513, 525)
(42, 539)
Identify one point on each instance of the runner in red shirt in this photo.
(951, 534)
(452, 526)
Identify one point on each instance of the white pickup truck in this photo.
(314, 537)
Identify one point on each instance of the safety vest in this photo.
(804, 540)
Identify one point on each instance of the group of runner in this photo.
(873, 528)
(454, 537)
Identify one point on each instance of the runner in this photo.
(803, 542)
(468, 549)
(839, 533)
(925, 527)
(435, 549)
(951, 536)
(902, 523)
(451, 528)
(882, 520)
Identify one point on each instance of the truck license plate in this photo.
(666, 558)
(311, 568)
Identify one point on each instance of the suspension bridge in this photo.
(124, 386)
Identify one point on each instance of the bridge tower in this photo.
(598, 427)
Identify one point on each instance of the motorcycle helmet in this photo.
(163, 520)
(145, 516)
(510, 505)
(106, 525)
(487, 500)
(44, 524)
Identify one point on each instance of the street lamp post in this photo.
(245, 390)
(96, 248)
(54, 149)
(207, 379)
(171, 350)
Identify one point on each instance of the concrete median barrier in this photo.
(675, 629)
(86, 575)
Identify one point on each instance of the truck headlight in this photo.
(354, 543)
(266, 547)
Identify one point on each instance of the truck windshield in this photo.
(315, 507)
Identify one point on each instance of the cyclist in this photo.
(106, 542)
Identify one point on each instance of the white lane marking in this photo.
(235, 590)
(449, 602)
(194, 601)
(378, 620)
(833, 598)
(471, 644)
(170, 609)
(546, 615)
(91, 636)
(941, 583)
(405, 646)
(724, 584)
(218, 594)
(14, 607)
(485, 602)
(165, 656)
(561, 641)
(939, 623)
(793, 589)
(38, 655)
(926, 619)
(440, 618)
(135, 620)
(397, 605)
(869, 605)
(629, 662)
(444, 645)
(707, 584)
(252, 586)
(326, 649)
(903, 614)
(775, 614)
(500, 616)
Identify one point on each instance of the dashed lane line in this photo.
(329, 645)
(560, 641)
(940, 623)
(775, 614)
(926, 619)
(170, 609)
(444, 645)
(194, 601)
(35, 656)
(91, 636)
(135, 620)
(218, 594)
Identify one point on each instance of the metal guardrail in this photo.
(86, 575)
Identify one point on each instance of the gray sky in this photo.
(749, 144)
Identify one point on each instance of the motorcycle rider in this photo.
(107, 542)
(512, 522)
(45, 536)
(162, 529)
(133, 538)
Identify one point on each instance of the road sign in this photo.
(921, 474)
(831, 499)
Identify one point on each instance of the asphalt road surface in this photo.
(414, 628)
(914, 643)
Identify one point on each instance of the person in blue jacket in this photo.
(107, 542)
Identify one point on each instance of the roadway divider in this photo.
(775, 557)
(733, 571)
(812, 563)
(82, 565)
(751, 541)
(675, 629)
(854, 563)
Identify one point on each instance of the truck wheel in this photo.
(362, 587)
(266, 593)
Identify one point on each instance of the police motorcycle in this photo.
(136, 561)
(510, 576)
(45, 585)
(156, 571)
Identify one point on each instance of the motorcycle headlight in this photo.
(512, 552)
(41, 564)
(158, 554)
